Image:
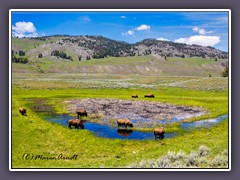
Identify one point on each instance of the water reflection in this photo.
(124, 132)
(203, 123)
(107, 131)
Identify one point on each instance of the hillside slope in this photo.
(97, 47)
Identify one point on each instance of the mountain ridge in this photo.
(85, 47)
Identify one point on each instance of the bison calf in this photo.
(22, 110)
(149, 96)
(76, 123)
(81, 112)
(159, 133)
(124, 123)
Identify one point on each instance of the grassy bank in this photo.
(33, 135)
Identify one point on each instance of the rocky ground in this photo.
(142, 113)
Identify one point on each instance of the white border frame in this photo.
(118, 10)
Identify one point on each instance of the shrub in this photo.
(225, 72)
(61, 54)
(192, 159)
(196, 159)
(22, 60)
(21, 53)
(203, 151)
(219, 161)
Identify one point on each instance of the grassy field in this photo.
(138, 65)
(31, 134)
(28, 44)
(178, 81)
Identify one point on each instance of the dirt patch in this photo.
(141, 113)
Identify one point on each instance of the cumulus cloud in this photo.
(143, 27)
(24, 29)
(162, 39)
(201, 31)
(129, 32)
(200, 40)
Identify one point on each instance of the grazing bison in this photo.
(134, 96)
(149, 96)
(124, 123)
(81, 112)
(159, 133)
(22, 110)
(76, 123)
(124, 132)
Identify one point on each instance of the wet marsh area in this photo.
(103, 114)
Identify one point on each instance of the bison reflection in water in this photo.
(159, 133)
(76, 123)
(124, 132)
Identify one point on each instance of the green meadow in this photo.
(179, 81)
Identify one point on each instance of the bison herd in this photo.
(123, 124)
(146, 96)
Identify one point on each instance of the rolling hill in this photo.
(97, 54)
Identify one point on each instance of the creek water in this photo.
(203, 123)
(106, 131)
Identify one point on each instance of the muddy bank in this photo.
(142, 113)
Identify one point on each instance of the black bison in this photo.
(81, 112)
(124, 132)
(22, 110)
(124, 123)
(134, 96)
(76, 123)
(159, 133)
(149, 96)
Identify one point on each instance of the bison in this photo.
(76, 123)
(124, 123)
(149, 96)
(134, 96)
(22, 110)
(159, 133)
(81, 112)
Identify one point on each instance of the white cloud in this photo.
(123, 17)
(24, 29)
(201, 31)
(162, 39)
(143, 27)
(200, 40)
(129, 32)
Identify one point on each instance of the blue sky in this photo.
(203, 28)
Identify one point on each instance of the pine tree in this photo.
(225, 72)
